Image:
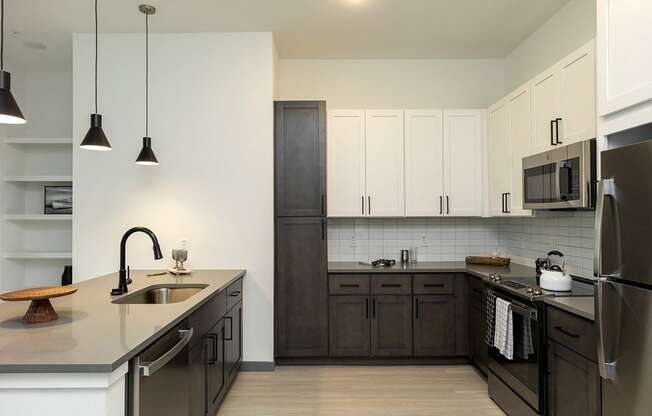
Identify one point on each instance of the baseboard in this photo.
(257, 366)
(398, 361)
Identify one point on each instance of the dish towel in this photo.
(504, 329)
(491, 317)
(525, 347)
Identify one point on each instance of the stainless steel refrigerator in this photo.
(623, 263)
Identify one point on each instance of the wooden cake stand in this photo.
(40, 309)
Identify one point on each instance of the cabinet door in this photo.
(300, 154)
(573, 383)
(232, 341)
(424, 163)
(198, 359)
(384, 163)
(577, 78)
(301, 288)
(546, 102)
(520, 137)
(434, 326)
(349, 326)
(463, 136)
(391, 326)
(498, 158)
(346, 163)
(624, 38)
(215, 363)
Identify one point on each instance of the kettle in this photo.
(555, 278)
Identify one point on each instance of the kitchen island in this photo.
(81, 359)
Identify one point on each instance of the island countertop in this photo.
(93, 334)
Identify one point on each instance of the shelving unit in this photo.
(35, 246)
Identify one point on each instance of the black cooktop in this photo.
(527, 287)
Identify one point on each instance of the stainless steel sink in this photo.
(162, 294)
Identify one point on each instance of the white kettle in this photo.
(555, 278)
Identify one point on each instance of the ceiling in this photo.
(333, 29)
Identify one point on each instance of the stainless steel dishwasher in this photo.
(159, 377)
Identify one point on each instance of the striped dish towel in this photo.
(491, 317)
(504, 329)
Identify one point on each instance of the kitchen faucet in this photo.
(124, 278)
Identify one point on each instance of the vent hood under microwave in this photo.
(561, 178)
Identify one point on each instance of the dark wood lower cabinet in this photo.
(479, 352)
(434, 325)
(198, 358)
(215, 374)
(573, 383)
(232, 340)
(350, 328)
(391, 326)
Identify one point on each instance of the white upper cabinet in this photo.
(498, 158)
(346, 163)
(546, 104)
(384, 163)
(519, 110)
(463, 135)
(424, 182)
(624, 37)
(577, 81)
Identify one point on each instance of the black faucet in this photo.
(124, 277)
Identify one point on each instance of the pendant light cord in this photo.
(95, 56)
(146, 74)
(2, 35)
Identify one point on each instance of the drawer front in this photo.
(393, 284)
(348, 284)
(572, 332)
(207, 316)
(433, 284)
(233, 294)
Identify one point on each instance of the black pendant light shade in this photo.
(95, 139)
(146, 156)
(9, 111)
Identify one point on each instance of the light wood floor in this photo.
(369, 391)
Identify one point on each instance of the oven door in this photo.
(522, 373)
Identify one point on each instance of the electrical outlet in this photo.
(352, 242)
(424, 241)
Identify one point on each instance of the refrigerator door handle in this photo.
(606, 363)
(606, 188)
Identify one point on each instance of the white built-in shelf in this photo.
(38, 217)
(39, 178)
(16, 140)
(36, 255)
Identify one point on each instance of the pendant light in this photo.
(9, 111)
(146, 156)
(95, 139)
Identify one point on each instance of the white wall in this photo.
(211, 123)
(571, 27)
(393, 83)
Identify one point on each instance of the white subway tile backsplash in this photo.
(452, 239)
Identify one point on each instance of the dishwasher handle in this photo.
(148, 369)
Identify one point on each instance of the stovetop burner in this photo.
(526, 287)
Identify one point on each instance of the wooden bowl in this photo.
(40, 309)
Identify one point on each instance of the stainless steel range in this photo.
(517, 383)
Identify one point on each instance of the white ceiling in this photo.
(303, 28)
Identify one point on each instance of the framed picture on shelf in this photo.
(58, 200)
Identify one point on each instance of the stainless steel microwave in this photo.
(561, 178)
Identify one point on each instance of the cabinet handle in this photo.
(213, 358)
(322, 204)
(348, 285)
(416, 300)
(373, 308)
(362, 198)
(563, 331)
(557, 120)
(230, 338)
(552, 132)
(366, 308)
(441, 205)
(508, 203)
(502, 202)
(391, 285)
(235, 294)
(369, 204)
(323, 229)
(448, 206)
(433, 285)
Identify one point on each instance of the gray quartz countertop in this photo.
(583, 306)
(515, 270)
(92, 334)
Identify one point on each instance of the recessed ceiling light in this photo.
(355, 2)
(39, 46)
